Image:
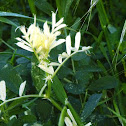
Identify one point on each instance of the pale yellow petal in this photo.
(46, 29)
(59, 22)
(68, 122)
(21, 89)
(22, 45)
(56, 43)
(77, 40)
(71, 116)
(54, 64)
(21, 40)
(88, 124)
(2, 90)
(68, 45)
(23, 30)
(84, 48)
(60, 58)
(49, 69)
(59, 27)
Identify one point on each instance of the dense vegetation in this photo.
(91, 84)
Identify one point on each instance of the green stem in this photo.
(74, 71)
(15, 54)
(64, 62)
(42, 89)
(75, 115)
(36, 54)
(55, 104)
(5, 114)
(25, 96)
(62, 116)
(34, 96)
(7, 45)
(49, 88)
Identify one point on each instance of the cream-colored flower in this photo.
(21, 89)
(77, 43)
(68, 45)
(69, 48)
(70, 121)
(88, 124)
(46, 67)
(41, 41)
(61, 56)
(2, 90)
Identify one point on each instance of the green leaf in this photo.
(74, 88)
(11, 77)
(14, 104)
(111, 28)
(75, 102)
(12, 14)
(4, 58)
(44, 6)
(104, 83)
(68, 4)
(90, 68)
(17, 110)
(61, 9)
(38, 75)
(43, 109)
(22, 60)
(75, 26)
(32, 6)
(28, 119)
(102, 14)
(7, 21)
(104, 51)
(83, 77)
(81, 55)
(59, 90)
(90, 106)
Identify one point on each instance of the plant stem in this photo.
(75, 115)
(25, 96)
(49, 88)
(62, 116)
(64, 62)
(55, 104)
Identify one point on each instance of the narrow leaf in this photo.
(107, 82)
(59, 90)
(12, 14)
(90, 106)
(7, 21)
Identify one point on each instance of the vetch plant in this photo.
(41, 42)
(47, 77)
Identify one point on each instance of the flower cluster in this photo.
(69, 48)
(41, 41)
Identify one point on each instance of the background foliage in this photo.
(95, 84)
